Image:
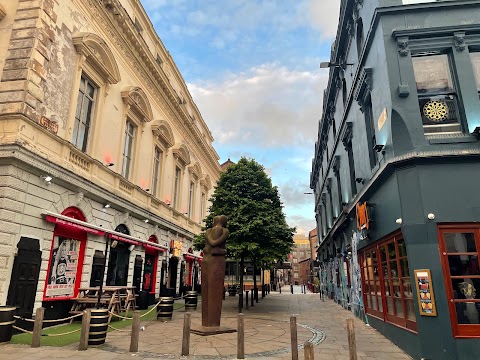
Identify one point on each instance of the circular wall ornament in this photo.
(436, 110)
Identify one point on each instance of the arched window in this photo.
(164, 140)
(182, 160)
(118, 261)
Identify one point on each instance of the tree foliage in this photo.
(256, 221)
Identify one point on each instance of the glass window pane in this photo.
(374, 303)
(475, 57)
(383, 254)
(387, 288)
(379, 303)
(402, 248)
(390, 305)
(393, 269)
(399, 307)
(461, 265)
(378, 288)
(372, 287)
(432, 74)
(468, 312)
(466, 288)
(460, 242)
(397, 287)
(391, 251)
(407, 288)
(404, 267)
(410, 310)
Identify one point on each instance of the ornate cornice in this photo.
(364, 86)
(347, 134)
(136, 99)
(115, 21)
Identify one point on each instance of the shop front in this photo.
(192, 270)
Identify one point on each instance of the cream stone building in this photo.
(101, 149)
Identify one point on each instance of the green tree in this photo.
(257, 225)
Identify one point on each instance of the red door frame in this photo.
(153, 251)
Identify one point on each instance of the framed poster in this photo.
(426, 298)
(63, 264)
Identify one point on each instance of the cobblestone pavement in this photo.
(267, 335)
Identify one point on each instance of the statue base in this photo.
(211, 330)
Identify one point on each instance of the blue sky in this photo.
(252, 67)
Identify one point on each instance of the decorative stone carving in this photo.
(402, 44)
(136, 99)
(181, 153)
(364, 87)
(347, 134)
(3, 13)
(336, 165)
(195, 170)
(97, 52)
(459, 38)
(162, 130)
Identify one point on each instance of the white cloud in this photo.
(269, 106)
(323, 16)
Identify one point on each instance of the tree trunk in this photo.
(262, 274)
(240, 293)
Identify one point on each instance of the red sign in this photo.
(152, 248)
(72, 225)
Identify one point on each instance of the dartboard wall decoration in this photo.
(436, 110)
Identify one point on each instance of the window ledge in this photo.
(452, 140)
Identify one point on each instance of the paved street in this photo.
(267, 334)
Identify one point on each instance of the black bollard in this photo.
(246, 299)
(291, 288)
(251, 299)
(279, 288)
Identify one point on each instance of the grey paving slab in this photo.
(267, 335)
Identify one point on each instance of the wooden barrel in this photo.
(6, 322)
(191, 300)
(98, 327)
(165, 308)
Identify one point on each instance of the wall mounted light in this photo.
(378, 147)
(344, 204)
(131, 247)
(145, 221)
(109, 164)
(114, 244)
(399, 221)
(106, 206)
(327, 64)
(431, 216)
(360, 180)
(47, 178)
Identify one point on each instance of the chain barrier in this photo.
(116, 329)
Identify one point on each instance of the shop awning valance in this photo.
(192, 257)
(98, 230)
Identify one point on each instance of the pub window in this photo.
(437, 97)
(461, 271)
(84, 113)
(330, 201)
(344, 93)
(176, 188)
(387, 283)
(339, 190)
(475, 57)
(157, 163)
(128, 144)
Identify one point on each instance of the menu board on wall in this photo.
(426, 299)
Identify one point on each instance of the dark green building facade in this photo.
(396, 172)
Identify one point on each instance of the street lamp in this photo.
(327, 64)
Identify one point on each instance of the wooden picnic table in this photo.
(116, 298)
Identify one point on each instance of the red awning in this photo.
(153, 248)
(192, 257)
(124, 239)
(74, 225)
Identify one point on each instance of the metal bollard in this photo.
(246, 300)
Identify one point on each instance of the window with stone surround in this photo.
(84, 113)
(157, 171)
(128, 152)
(475, 58)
